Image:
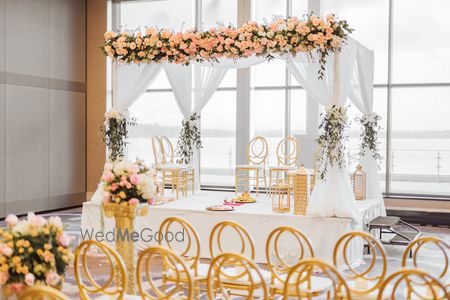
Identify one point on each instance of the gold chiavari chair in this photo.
(42, 293)
(434, 243)
(233, 274)
(188, 250)
(112, 286)
(412, 284)
(304, 282)
(279, 262)
(288, 152)
(220, 235)
(152, 260)
(363, 282)
(169, 158)
(173, 174)
(257, 151)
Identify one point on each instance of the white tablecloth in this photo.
(257, 218)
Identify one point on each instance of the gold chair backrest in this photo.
(288, 151)
(149, 263)
(229, 268)
(280, 263)
(189, 248)
(42, 293)
(412, 284)
(157, 148)
(298, 284)
(257, 151)
(114, 268)
(420, 244)
(367, 273)
(217, 239)
(167, 150)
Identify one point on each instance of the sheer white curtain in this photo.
(334, 195)
(191, 99)
(361, 94)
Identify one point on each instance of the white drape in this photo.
(334, 195)
(130, 82)
(192, 99)
(361, 94)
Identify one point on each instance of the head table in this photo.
(257, 218)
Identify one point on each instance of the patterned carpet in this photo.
(432, 261)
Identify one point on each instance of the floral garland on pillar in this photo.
(115, 133)
(331, 141)
(281, 36)
(190, 138)
(369, 135)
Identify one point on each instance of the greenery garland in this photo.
(369, 135)
(331, 141)
(115, 133)
(189, 138)
(281, 36)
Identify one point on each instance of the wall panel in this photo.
(2, 108)
(67, 149)
(27, 149)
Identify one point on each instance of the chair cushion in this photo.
(266, 275)
(283, 168)
(202, 271)
(173, 167)
(317, 284)
(125, 297)
(250, 167)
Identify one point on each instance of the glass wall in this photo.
(411, 92)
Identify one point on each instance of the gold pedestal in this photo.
(124, 216)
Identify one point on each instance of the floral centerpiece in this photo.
(115, 132)
(281, 36)
(33, 251)
(331, 141)
(127, 184)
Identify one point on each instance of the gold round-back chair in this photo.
(257, 151)
(417, 246)
(314, 278)
(176, 175)
(234, 274)
(363, 282)
(42, 293)
(114, 285)
(412, 284)
(216, 239)
(288, 152)
(156, 258)
(188, 250)
(279, 263)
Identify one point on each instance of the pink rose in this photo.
(134, 201)
(11, 220)
(151, 201)
(108, 176)
(29, 279)
(64, 239)
(135, 179)
(17, 288)
(52, 278)
(3, 278)
(114, 187)
(7, 251)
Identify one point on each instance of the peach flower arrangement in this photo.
(33, 251)
(281, 36)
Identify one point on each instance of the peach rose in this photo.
(29, 279)
(134, 201)
(52, 278)
(4, 276)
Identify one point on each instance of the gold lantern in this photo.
(301, 190)
(281, 197)
(359, 183)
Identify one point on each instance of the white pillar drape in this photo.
(191, 100)
(361, 95)
(334, 195)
